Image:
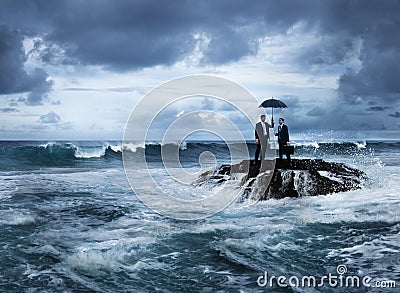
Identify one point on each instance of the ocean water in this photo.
(69, 222)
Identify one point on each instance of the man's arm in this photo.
(268, 127)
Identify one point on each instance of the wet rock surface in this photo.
(280, 178)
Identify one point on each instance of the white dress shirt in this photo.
(264, 128)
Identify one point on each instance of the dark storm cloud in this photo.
(377, 23)
(9, 110)
(377, 77)
(13, 77)
(377, 109)
(131, 35)
(395, 115)
(42, 86)
(127, 35)
(120, 36)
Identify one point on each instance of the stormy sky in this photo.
(75, 69)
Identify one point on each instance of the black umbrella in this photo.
(273, 103)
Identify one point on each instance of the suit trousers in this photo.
(261, 146)
(281, 146)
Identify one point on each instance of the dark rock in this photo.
(281, 178)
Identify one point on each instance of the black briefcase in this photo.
(288, 149)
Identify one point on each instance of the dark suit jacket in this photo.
(283, 135)
(259, 130)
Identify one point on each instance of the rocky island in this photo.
(280, 178)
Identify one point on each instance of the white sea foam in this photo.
(92, 152)
(133, 147)
(361, 145)
(98, 151)
(48, 144)
(94, 262)
(183, 145)
(116, 148)
(313, 144)
(329, 176)
(103, 256)
(15, 218)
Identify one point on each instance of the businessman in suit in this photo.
(283, 138)
(262, 136)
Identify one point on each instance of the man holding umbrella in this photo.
(283, 132)
(262, 136)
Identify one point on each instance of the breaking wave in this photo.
(55, 153)
(67, 153)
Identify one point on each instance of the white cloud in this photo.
(49, 118)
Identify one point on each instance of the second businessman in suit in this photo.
(283, 138)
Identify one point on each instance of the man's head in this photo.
(281, 120)
(262, 117)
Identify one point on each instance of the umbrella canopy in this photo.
(273, 103)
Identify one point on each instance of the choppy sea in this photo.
(69, 222)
